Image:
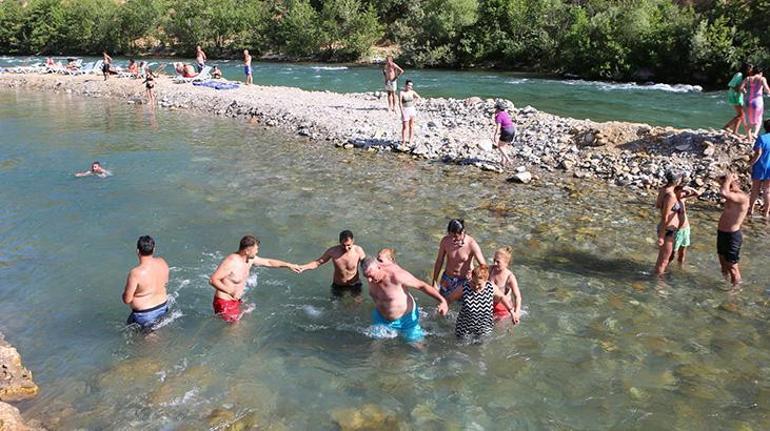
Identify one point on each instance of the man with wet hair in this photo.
(229, 279)
(729, 235)
(458, 249)
(96, 169)
(145, 290)
(395, 308)
(345, 257)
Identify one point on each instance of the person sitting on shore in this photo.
(345, 258)
(145, 290)
(682, 240)
(229, 279)
(503, 278)
(475, 319)
(72, 65)
(729, 235)
(96, 170)
(668, 226)
(458, 249)
(133, 68)
(505, 132)
(185, 70)
(406, 103)
(395, 309)
(760, 172)
(216, 73)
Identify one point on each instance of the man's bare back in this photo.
(147, 282)
(388, 287)
(736, 208)
(346, 264)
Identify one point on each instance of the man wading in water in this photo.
(458, 249)
(229, 279)
(145, 290)
(729, 235)
(391, 71)
(346, 256)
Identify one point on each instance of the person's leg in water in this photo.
(724, 266)
(664, 253)
(735, 273)
(756, 185)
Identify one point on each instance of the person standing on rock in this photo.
(760, 172)
(229, 279)
(247, 67)
(458, 249)
(345, 256)
(729, 235)
(391, 71)
(505, 132)
(395, 308)
(670, 220)
(106, 65)
(406, 103)
(682, 240)
(145, 290)
(735, 99)
(755, 85)
(200, 59)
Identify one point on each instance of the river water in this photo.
(602, 345)
(679, 106)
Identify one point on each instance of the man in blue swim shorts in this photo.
(459, 250)
(247, 67)
(145, 290)
(395, 308)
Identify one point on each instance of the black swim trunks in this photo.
(106, 68)
(507, 134)
(729, 245)
(339, 290)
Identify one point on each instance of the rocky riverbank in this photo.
(448, 130)
(16, 384)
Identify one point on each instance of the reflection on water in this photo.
(603, 344)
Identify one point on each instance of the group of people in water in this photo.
(487, 293)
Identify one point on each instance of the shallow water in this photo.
(660, 104)
(602, 346)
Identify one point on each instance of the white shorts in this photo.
(408, 113)
(391, 85)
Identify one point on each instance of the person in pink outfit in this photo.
(755, 85)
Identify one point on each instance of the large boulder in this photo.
(16, 382)
(11, 420)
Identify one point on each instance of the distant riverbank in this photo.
(449, 130)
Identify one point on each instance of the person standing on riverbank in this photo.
(505, 132)
(755, 85)
(200, 59)
(229, 279)
(760, 172)
(729, 235)
(458, 249)
(345, 257)
(735, 99)
(106, 65)
(149, 87)
(406, 103)
(503, 278)
(394, 307)
(145, 290)
(391, 71)
(247, 67)
(670, 221)
(682, 239)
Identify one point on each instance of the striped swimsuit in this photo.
(475, 318)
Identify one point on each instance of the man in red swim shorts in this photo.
(229, 280)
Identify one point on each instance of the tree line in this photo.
(661, 40)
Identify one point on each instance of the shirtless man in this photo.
(458, 249)
(200, 59)
(391, 71)
(229, 280)
(106, 65)
(729, 236)
(346, 256)
(247, 67)
(395, 307)
(145, 290)
(96, 169)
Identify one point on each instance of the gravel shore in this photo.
(449, 130)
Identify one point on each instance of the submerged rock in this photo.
(367, 417)
(521, 178)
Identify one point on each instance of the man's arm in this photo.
(727, 193)
(409, 280)
(316, 263)
(222, 271)
(130, 289)
(83, 174)
(477, 253)
(275, 263)
(399, 70)
(439, 262)
(513, 284)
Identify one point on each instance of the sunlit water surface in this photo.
(602, 344)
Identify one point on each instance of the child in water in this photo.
(504, 279)
(478, 295)
(682, 240)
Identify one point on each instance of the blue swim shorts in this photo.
(149, 317)
(408, 325)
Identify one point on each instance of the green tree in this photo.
(298, 31)
(11, 21)
(348, 29)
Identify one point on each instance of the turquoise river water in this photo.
(679, 106)
(603, 345)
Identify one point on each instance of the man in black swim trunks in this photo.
(345, 256)
(729, 236)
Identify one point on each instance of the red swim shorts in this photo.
(228, 309)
